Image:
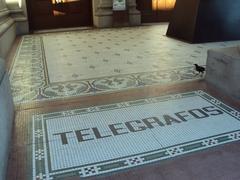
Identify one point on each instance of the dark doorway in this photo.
(48, 14)
(152, 12)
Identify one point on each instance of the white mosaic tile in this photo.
(103, 139)
(62, 65)
(145, 49)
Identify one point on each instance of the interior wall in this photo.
(7, 37)
(7, 32)
(12, 22)
(2, 4)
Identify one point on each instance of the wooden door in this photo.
(150, 14)
(47, 14)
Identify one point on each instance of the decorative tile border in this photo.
(40, 150)
(168, 61)
(30, 81)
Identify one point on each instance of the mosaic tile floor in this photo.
(68, 64)
(102, 139)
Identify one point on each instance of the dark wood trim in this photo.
(40, 18)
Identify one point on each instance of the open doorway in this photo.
(49, 14)
(155, 10)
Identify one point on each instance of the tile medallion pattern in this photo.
(68, 64)
(103, 139)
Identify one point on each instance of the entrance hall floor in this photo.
(82, 63)
(119, 104)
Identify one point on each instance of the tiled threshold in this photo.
(182, 166)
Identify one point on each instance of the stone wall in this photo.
(102, 13)
(6, 119)
(12, 22)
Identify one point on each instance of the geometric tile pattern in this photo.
(79, 63)
(61, 156)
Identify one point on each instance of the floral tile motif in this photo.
(79, 63)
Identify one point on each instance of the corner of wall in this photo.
(7, 32)
(12, 22)
(102, 13)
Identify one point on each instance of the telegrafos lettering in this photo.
(135, 126)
